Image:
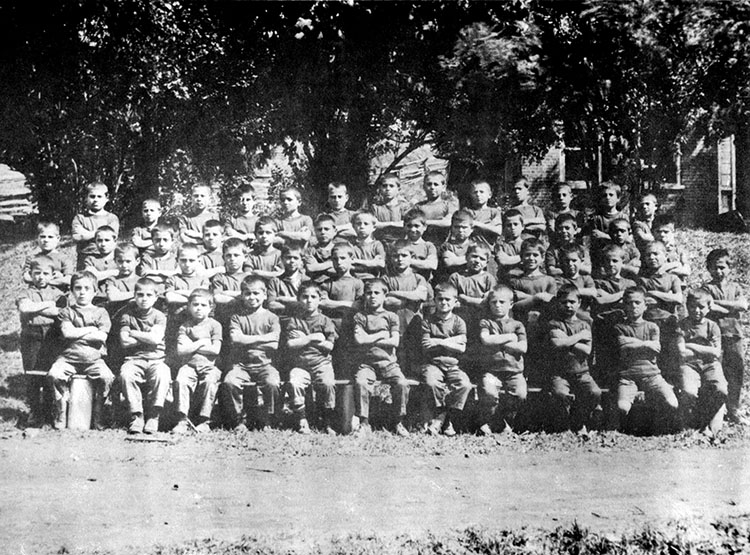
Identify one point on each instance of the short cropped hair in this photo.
(126, 248)
(662, 220)
(512, 213)
(534, 244)
(611, 248)
(715, 255)
(42, 261)
(201, 293)
(342, 246)
(233, 243)
(630, 291)
(247, 189)
(94, 185)
(572, 249)
(267, 221)
(163, 228)
(698, 294)
(292, 246)
(564, 218)
(363, 214)
(402, 244)
(376, 282)
(83, 275)
(478, 248)
(462, 216)
(655, 245)
(610, 186)
(188, 247)
(145, 282)
(106, 229)
(294, 190)
(567, 289)
(151, 201)
(251, 280)
(337, 185)
(415, 215)
(46, 226)
(212, 224)
(388, 177)
(616, 221)
(324, 218)
(446, 287)
(501, 290)
(435, 173)
(309, 286)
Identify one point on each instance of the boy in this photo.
(508, 249)
(701, 382)
(340, 293)
(443, 341)
(638, 347)
(283, 290)
(424, 259)
(84, 225)
(226, 286)
(294, 226)
(191, 225)
(317, 258)
(369, 253)
(472, 286)
(338, 196)
(389, 212)
(211, 260)
(676, 261)
(619, 232)
(452, 253)
(162, 262)
(150, 215)
(142, 329)
(376, 337)
(571, 260)
(437, 208)
(84, 328)
(561, 199)
(663, 289)
(533, 290)
(566, 235)
(608, 196)
(728, 302)
(310, 336)
(533, 216)
(242, 226)
(487, 221)
(644, 219)
(38, 308)
(179, 286)
(48, 239)
(199, 342)
(265, 259)
(504, 345)
(254, 335)
(121, 288)
(102, 263)
(569, 340)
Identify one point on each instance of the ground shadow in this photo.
(9, 341)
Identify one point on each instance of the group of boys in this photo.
(571, 301)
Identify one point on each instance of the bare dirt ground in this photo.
(92, 491)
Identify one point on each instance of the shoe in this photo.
(449, 430)
(181, 427)
(304, 427)
(506, 428)
(152, 425)
(435, 425)
(136, 424)
(330, 431)
(401, 430)
(355, 423)
(241, 428)
(203, 427)
(485, 430)
(364, 429)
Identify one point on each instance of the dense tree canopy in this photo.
(119, 90)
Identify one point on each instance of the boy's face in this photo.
(83, 292)
(570, 264)
(719, 270)
(480, 194)
(96, 199)
(698, 309)
(401, 259)
(434, 187)
(563, 198)
(264, 235)
(253, 296)
(635, 306)
(234, 259)
(620, 233)
(200, 197)
(126, 263)
(445, 302)
(569, 305)
(199, 308)
(612, 265)
(567, 231)
(476, 261)
(212, 237)
(41, 276)
(247, 202)
(188, 262)
(289, 202)
(105, 242)
(647, 207)
(337, 198)
(665, 234)
(150, 212)
(310, 300)
(342, 262)
(292, 261)
(389, 189)
(512, 228)
(655, 257)
(145, 297)
(461, 230)
(374, 297)
(325, 231)
(414, 230)
(531, 259)
(609, 198)
(48, 240)
(364, 227)
(162, 241)
(500, 304)
(519, 193)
